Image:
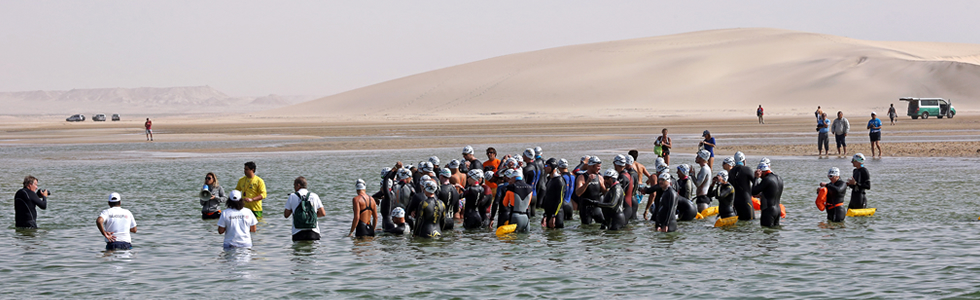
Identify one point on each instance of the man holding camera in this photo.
(25, 202)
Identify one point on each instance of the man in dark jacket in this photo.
(25, 202)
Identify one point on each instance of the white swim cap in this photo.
(384, 172)
(739, 158)
(629, 160)
(425, 178)
(488, 174)
(426, 167)
(834, 171)
(585, 158)
(360, 185)
(468, 149)
(563, 163)
(444, 172)
(858, 158)
(665, 177)
(114, 197)
(611, 173)
(704, 154)
(475, 174)
(663, 168)
(529, 153)
(594, 160)
(511, 173)
(684, 169)
(659, 162)
(434, 160)
(430, 186)
(398, 212)
(235, 196)
(453, 164)
(763, 167)
(723, 175)
(510, 162)
(729, 161)
(619, 160)
(765, 160)
(537, 150)
(404, 173)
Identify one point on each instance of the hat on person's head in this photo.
(765, 160)
(763, 167)
(114, 197)
(683, 169)
(475, 174)
(594, 160)
(384, 172)
(537, 150)
(665, 177)
(529, 153)
(434, 160)
(453, 164)
(551, 162)
(430, 186)
(630, 160)
(619, 160)
(425, 178)
(874, 113)
(235, 195)
(659, 162)
(704, 154)
(445, 172)
(468, 149)
(404, 173)
(398, 212)
(509, 161)
(834, 171)
(420, 165)
(663, 168)
(425, 166)
(705, 133)
(511, 173)
(729, 161)
(611, 173)
(858, 158)
(585, 158)
(360, 185)
(723, 175)
(488, 174)
(563, 163)
(739, 158)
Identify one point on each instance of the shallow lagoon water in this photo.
(920, 244)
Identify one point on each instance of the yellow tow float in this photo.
(861, 212)
(729, 221)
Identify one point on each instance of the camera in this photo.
(40, 191)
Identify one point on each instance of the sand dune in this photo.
(718, 73)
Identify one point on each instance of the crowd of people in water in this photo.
(429, 198)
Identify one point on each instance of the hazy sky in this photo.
(248, 48)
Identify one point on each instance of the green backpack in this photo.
(305, 216)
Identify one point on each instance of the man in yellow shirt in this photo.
(253, 189)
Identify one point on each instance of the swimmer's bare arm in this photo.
(580, 186)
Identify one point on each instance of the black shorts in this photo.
(875, 136)
(840, 139)
(306, 235)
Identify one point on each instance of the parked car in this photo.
(115, 117)
(925, 107)
(98, 118)
(76, 118)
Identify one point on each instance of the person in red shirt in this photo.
(759, 112)
(149, 129)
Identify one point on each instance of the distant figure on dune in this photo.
(149, 129)
(759, 112)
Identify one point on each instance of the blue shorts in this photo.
(118, 246)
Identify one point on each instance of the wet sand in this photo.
(957, 137)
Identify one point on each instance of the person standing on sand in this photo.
(823, 135)
(818, 112)
(759, 112)
(149, 129)
(874, 125)
(840, 128)
(709, 144)
(664, 142)
(892, 114)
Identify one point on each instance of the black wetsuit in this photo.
(497, 209)
(626, 182)
(612, 208)
(531, 173)
(398, 229)
(404, 192)
(835, 201)
(742, 179)
(770, 188)
(540, 184)
(518, 199)
(635, 200)
(588, 212)
(685, 188)
(385, 195)
(554, 199)
(566, 206)
(686, 209)
(665, 214)
(449, 196)
(474, 164)
(429, 214)
(25, 216)
(472, 215)
(862, 182)
(725, 194)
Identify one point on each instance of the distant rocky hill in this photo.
(142, 101)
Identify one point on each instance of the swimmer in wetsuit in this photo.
(365, 209)
(429, 213)
(835, 196)
(517, 201)
(635, 175)
(685, 184)
(625, 180)
(448, 193)
(554, 197)
(769, 189)
(532, 174)
(386, 194)
(398, 222)
(567, 207)
(665, 217)
(403, 193)
(703, 181)
(612, 202)
(589, 186)
(723, 191)
(742, 179)
(474, 196)
(859, 183)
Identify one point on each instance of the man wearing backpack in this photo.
(304, 207)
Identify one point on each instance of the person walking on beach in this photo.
(116, 224)
(305, 207)
(663, 142)
(237, 223)
(823, 135)
(818, 112)
(892, 114)
(709, 145)
(149, 129)
(759, 112)
(874, 125)
(209, 206)
(25, 202)
(365, 209)
(840, 128)
(253, 188)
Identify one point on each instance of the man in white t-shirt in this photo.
(115, 224)
(299, 185)
(703, 180)
(236, 223)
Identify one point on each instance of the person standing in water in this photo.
(769, 189)
(589, 186)
(237, 223)
(365, 208)
(474, 196)
(554, 199)
(874, 127)
(428, 213)
(518, 200)
(253, 189)
(304, 200)
(469, 160)
(840, 128)
(449, 194)
(709, 145)
(209, 207)
(860, 182)
(492, 165)
(666, 210)
(723, 191)
(664, 142)
(835, 196)
(612, 202)
(116, 224)
(25, 202)
(703, 181)
(149, 129)
(741, 178)
(625, 180)
(892, 114)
